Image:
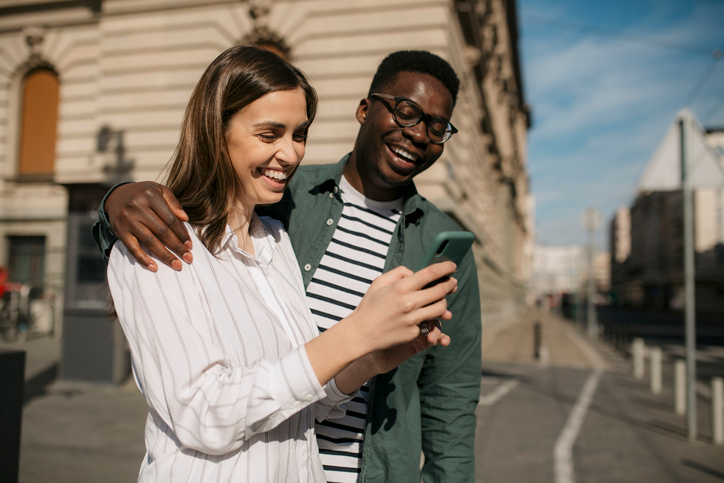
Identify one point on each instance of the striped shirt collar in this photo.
(262, 239)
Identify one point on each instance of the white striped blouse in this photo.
(218, 352)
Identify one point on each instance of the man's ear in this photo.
(361, 113)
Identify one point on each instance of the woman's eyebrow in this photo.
(275, 124)
(280, 125)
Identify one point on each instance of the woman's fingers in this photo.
(394, 275)
(429, 295)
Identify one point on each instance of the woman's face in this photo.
(265, 142)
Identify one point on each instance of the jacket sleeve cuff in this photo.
(102, 233)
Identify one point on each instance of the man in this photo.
(349, 223)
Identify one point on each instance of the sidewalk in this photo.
(76, 432)
(561, 344)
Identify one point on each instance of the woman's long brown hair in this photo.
(200, 174)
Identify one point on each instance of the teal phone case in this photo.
(448, 246)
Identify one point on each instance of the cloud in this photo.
(601, 104)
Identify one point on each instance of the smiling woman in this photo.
(265, 142)
(226, 351)
(252, 80)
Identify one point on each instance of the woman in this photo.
(226, 352)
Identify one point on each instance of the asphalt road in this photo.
(627, 434)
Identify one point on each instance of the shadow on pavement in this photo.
(36, 386)
(704, 469)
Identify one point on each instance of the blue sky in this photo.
(604, 80)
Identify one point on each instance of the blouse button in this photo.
(309, 397)
(329, 222)
(307, 267)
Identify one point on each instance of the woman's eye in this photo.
(300, 138)
(268, 137)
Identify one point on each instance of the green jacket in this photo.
(428, 403)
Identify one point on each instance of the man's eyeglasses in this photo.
(408, 113)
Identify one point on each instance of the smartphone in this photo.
(448, 246)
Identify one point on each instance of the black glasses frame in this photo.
(425, 117)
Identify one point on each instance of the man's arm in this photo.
(450, 387)
(143, 213)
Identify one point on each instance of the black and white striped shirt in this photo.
(218, 352)
(355, 256)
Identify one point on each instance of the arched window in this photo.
(39, 124)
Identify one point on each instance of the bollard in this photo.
(537, 340)
(680, 386)
(717, 410)
(656, 370)
(638, 358)
(12, 381)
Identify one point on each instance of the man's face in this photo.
(387, 156)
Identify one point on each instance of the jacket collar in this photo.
(328, 177)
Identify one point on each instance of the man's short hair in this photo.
(420, 61)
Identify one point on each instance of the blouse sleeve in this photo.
(185, 377)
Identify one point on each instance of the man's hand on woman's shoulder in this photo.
(147, 213)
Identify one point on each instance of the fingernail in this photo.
(152, 267)
(188, 244)
(176, 265)
(188, 257)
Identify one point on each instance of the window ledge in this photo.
(32, 178)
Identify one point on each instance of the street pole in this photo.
(689, 300)
(590, 220)
(592, 322)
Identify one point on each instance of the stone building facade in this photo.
(120, 73)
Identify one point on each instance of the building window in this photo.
(39, 123)
(26, 259)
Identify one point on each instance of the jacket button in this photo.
(331, 195)
(307, 267)
(329, 222)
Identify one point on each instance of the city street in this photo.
(627, 434)
(576, 414)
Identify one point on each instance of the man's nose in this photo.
(418, 132)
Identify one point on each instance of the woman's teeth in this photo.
(274, 174)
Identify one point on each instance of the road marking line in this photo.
(498, 394)
(564, 445)
(562, 453)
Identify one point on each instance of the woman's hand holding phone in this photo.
(413, 298)
(382, 332)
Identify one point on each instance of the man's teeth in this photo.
(274, 174)
(409, 157)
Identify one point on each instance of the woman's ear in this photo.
(361, 112)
